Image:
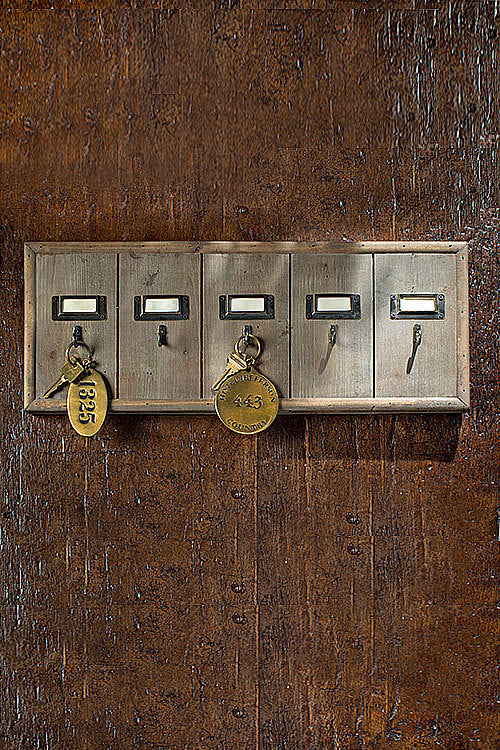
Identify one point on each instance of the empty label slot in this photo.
(417, 304)
(333, 304)
(161, 305)
(79, 305)
(246, 305)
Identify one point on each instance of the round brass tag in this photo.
(88, 403)
(247, 402)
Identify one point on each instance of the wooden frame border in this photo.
(463, 357)
(29, 327)
(247, 247)
(287, 406)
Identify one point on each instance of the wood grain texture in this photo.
(322, 376)
(146, 370)
(316, 123)
(220, 246)
(348, 371)
(242, 275)
(287, 406)
(29, 326)
(434, 371)
(463, 346)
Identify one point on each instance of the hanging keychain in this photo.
(246, 401)
(87, 401)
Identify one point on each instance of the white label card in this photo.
(414, 304)
(333, 304)
(162, 305)
(75, 305)
(247, 305)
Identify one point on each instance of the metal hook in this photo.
(77, 335)
(417, 340)
(332, 336)
(162, 335)
(247, 332)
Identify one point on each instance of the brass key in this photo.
(71, 370)
(236, 362)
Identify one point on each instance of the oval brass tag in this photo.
(88, 403)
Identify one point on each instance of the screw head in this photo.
(353, 549)
(238, 619)
(238, 713)
(238, 588)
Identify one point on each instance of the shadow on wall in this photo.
(401, 437)
(424, 436)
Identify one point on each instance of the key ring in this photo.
(252, 339)
(74, 345)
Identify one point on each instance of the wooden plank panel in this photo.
(435, 583)
(348, 372)
(245, 274)
(314, 582)
(434, 372)
(75, 273)
(186, 537)
(432, 664)
(351, 123)
(147, 371)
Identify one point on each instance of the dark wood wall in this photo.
(333, 583)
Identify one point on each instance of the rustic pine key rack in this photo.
(344, 326)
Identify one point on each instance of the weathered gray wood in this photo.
(74, 273)
(245, 274)
(287, 406)
(145, 382)
(434, 372)
(349, 369)
(249, 247)
(147, 371)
